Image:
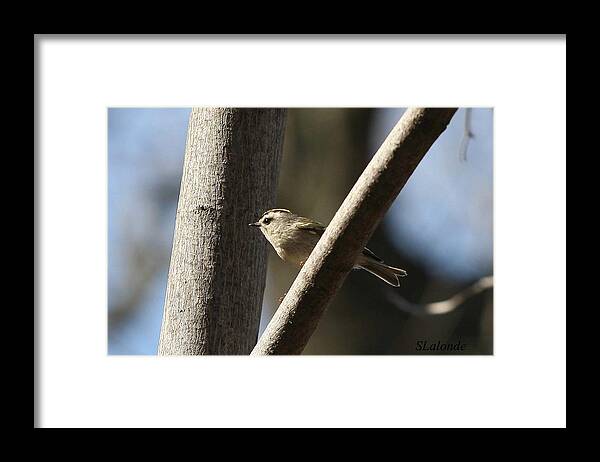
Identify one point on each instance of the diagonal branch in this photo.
(360, 213)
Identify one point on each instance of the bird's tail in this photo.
(385, 272)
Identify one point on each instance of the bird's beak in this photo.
(254, 224)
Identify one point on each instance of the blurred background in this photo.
(439, 229)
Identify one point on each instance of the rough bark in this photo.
(362, 210)
(218, 265)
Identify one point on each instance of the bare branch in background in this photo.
(444, 306)
(362, 210)
(467, 135)
(144, 265)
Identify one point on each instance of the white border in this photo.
(523, 384)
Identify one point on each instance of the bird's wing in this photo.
(311, 226)
(368, 253)
(317, 228)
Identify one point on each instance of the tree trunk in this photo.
(218, 265)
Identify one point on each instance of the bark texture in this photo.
(360, 213)
(218, 265)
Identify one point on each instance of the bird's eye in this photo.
(266, 221)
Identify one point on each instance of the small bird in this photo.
(294, 237)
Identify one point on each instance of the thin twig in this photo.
(444, 306)
(467, 135)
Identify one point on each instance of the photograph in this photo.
(300, 230)
(246, 231)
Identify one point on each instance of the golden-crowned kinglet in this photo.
(294, 237)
